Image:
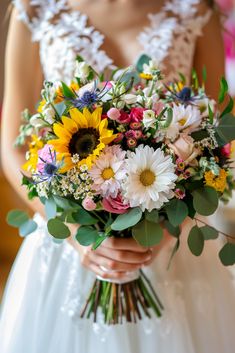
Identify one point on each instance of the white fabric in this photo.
(48, 285)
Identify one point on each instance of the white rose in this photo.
(149, 119)
(82, 70)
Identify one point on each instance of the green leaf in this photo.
(223, 90)
(152, 216)
(196, 241)
(226, 129)
(58, 229)
(175, 231)
(209, 232)
(99, 241)
(177, 211)
(60, 108)
(87, 235)
(174, 251)
(127, 220)
(50, 208)
(28, 227)
(147, 233)
(143, 59)
(211, 114)
(65, 204)
(67, 92)
(229, 107)
(199, 135)
(16, 218)
(227, 254)
(84, 218)
(205, 200)
(169, 118)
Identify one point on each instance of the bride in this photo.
(49, 282)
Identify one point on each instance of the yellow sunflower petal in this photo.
(96, 117)
(79, 118)
(69, 124)
(103, 125)
(107, 139)
(61, 132)
(88, 117)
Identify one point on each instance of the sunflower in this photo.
(83, 134)
(32, 155)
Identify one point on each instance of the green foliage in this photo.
(28, 227)
(175, 231)
(196, 241)
(143, 59)
(58, 229)
(177, 211)
(228, 108)
(227, 254)
(225, 131)
(16, 218)
(87, 235)
(67, 92)
(205, 200)
(84, 218)
(60, 108)
(127, 220)
(152, 216)
(99, 241)
(65, 204)
(147, 233)
(199, 135)
(209, 232)
(223, 90)
(211, 114)
(50, 208)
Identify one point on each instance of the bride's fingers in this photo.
(111, 264)
(123, 244)
(109, 275)
(126, 257)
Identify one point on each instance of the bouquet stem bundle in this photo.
(129, 301)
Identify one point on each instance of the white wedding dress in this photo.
(48, 285)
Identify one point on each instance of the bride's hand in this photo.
(117, 256)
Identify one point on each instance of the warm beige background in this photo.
(9, 239)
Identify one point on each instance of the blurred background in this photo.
(9, 239)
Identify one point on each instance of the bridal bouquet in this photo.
(127, 157)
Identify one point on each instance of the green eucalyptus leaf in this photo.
(65, 204)
(99, 241)
(227, 254)
(84, 218)
(175, 231)
(28, 227)
(152, 216)
(147, 233)
(127, 220)
(143, 59)
(16, 218)
(199, 135)
(174, 251)
(196, 241)
(67, 92)
(209, 232)
(228, 108)
(50, 208)
(177, 211)
(58, 229)
(226, 129)
(60, 108)
(87, 235)
(205, 200)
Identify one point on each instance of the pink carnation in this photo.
(115, 205)
(136, 114)
(89, 204)
(124, 118)
(45, 155)
(226, 150)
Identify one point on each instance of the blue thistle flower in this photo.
(50, 169)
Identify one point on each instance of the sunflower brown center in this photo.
(147, 177)
(84, 142)
(107, 173)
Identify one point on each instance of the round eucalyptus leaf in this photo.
(196, 241)
(147, 233)
(87, 235)
(177, 211)
(84, 218)
(28, 227)
(50, 208)
(205, 200)
(152, 216)
(209, 232)
(16, 218)
(127, 220)
(227, 254)
(58, 229)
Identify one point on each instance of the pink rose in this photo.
(226, 150)
(136, 114)
(113, 114)
(124, 118)
(115, 205)
(184, 148)
(45, 155)
(89, 204)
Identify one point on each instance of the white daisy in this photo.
(109, 171)
(183, 117)
(150, 178)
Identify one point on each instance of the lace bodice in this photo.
(63, 33)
